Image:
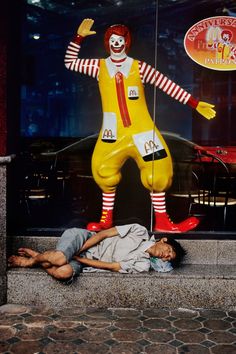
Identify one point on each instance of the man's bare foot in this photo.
(18, 261)
(27, 252)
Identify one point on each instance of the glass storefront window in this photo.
(61, 113)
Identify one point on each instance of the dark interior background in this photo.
(58, 103)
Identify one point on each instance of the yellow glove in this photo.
(206, 110)
(85, 28)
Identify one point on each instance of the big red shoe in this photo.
(105, 222)
(164, 224)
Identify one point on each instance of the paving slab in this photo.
(41, 329)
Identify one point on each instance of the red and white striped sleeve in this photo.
(149, 75)
(88, 67)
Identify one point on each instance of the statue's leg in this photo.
(156, 176)
(107, 160)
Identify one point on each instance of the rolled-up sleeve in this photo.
(135, 229)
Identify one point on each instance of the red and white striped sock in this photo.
(108, 200)
(158, 202)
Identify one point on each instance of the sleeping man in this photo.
(124, 249)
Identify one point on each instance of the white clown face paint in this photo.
(117, 46)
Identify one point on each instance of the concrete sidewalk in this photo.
(41, 330)
(190, 286)
(207, 279)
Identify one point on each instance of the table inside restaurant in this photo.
(226, 153)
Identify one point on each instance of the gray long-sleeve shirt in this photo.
(128, 248)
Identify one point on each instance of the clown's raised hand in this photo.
(206, 110)
(84, 29)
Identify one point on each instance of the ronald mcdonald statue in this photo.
(128, 130)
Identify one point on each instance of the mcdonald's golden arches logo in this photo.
(150, 146)
(107, 134)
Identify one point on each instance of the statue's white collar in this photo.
(124, 68)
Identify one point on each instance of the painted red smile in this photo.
(117, 49)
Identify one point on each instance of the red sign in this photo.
(212, 43)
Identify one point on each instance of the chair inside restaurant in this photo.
(213, 197)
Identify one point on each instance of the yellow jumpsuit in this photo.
(128, 131)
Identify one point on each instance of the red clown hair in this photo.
(227, 32)
(119, 30)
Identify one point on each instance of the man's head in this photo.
(117, 40)
(168, 249)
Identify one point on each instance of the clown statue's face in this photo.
(226, 38)
(117, 46)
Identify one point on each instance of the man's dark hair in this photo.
(179, 250)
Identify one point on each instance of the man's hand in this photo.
(112, 266)
(206, 110)
(84, 29)
(96, 238)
